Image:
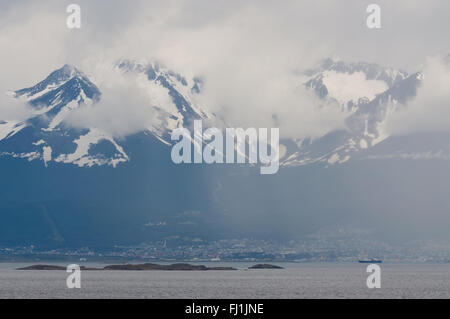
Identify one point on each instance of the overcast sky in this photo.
(247, 50)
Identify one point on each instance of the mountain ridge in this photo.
(66, 89)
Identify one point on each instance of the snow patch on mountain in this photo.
(46, 154)
(10, 128)
(81, 156)
(350, 87)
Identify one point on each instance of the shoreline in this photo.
(149, 266)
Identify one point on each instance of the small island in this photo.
(149, 266)
(146, 266)
(43, 267)
(265, 266)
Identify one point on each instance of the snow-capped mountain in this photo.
(182, 108)
(366, 91)
(132, 180)
(47, 137)
(181, 90)
(369, 93)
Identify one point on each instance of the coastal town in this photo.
(319, 248)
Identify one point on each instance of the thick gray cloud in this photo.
(125, 107)
(430, 110)
(247, 51)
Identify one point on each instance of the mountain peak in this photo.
(52, 81)
(64, 73)
(70, 70)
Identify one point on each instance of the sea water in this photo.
(297, 280)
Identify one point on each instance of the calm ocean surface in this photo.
(297, 280)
